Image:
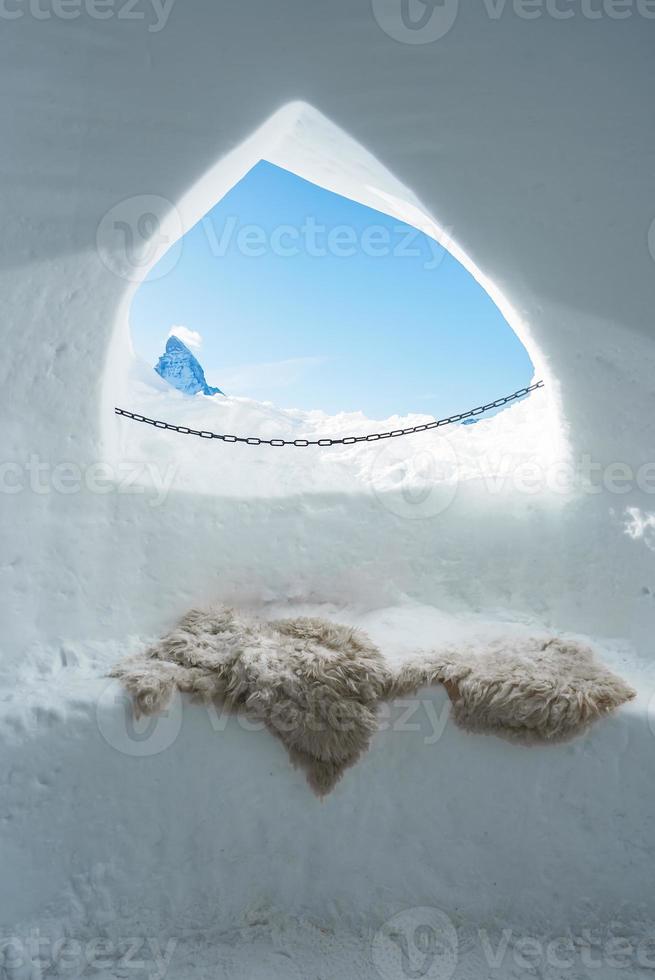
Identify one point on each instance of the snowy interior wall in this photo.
(550, 195)
(533, 140)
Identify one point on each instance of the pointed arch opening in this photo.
(298, 143)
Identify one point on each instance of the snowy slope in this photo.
(438, 463)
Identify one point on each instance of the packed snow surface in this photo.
(201, 839)
(429, 464)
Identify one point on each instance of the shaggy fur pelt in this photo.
(316, 685)
(530, 689)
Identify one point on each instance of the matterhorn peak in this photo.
(182, 369)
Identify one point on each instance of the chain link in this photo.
(345, 440)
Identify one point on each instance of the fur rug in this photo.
(316, 685)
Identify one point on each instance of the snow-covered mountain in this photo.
(182, 370)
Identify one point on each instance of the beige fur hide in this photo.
(316, 685)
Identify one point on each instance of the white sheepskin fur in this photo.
(317, 685)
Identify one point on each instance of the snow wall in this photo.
(531, 140)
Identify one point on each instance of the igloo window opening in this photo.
(287, 294)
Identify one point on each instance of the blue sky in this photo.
(292, 294)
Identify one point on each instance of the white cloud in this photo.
(189, 337)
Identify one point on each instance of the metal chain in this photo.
(346, 440)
